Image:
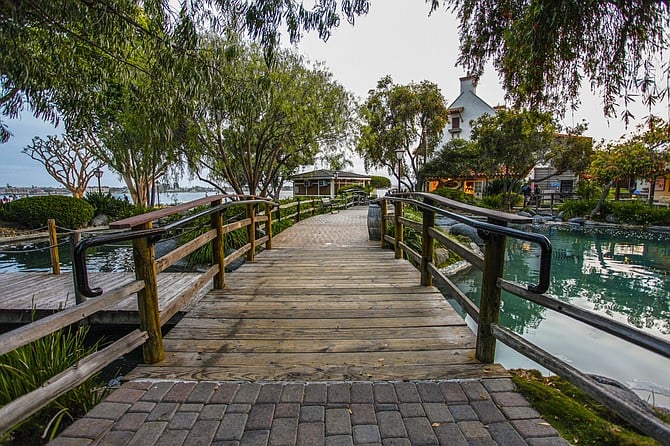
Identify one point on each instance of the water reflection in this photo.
(621, 274)
(34, 257)
(623, 278)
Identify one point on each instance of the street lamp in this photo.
(98, 174)
(399, 154)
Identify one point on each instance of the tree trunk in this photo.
(652, 187)
(603, 196)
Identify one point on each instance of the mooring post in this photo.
(383, 221)
(399, 232)
(218, 247)
(147, 298)
(53, 246)
(251, 231)
(428, 247)
(268, 224)
(489, 308)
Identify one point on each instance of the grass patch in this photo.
(578, 418)
(27, 368)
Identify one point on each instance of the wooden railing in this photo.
(147, 267)
(494, 232)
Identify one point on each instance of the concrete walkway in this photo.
(483, 411)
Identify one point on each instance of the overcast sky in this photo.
(396, 38)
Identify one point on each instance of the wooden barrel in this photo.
(374, 222)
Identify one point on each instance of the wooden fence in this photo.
(494, 232)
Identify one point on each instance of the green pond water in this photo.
(620, 273)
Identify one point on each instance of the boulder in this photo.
(538, 220)
(100, 220)
(611, 218)
(468, 231)
(577, 220)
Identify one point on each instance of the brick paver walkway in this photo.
(482, 411)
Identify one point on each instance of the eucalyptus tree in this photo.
(258, 121)
(56, 58)
(457, 158)
(401, 117)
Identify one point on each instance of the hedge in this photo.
(33, 212)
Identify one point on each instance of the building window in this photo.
(455, 122)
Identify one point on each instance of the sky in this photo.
(396, 38)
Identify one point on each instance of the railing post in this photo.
(399, 233)
(75, 238)
(147, 298)
(298, 216)
(53, 246)
(489, 307)
(218, 247)
(383, 222)
(251, 231)
(268, 225)
(428, 248)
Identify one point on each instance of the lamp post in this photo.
(98, 174)
(399, 154)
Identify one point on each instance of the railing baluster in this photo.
(268, 225)
(218, 247)
(147, 298)
(383, 222)
(489, 305)
(251, 231)
(428, 249)
(398, 226)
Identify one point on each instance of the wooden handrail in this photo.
(486, 315)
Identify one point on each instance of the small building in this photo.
(326, 182)
(465, 108)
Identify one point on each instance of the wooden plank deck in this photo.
(20, 292)
(321, 314)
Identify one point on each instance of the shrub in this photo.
(27, 368)
(72, 213)
(112, 207)
(577, 208)
(377, 182)
(455, 194)
(496, 201)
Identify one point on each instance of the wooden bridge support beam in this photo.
(218, 247)
(489, 307)
(428, 246)
(398, 229)
(251, 232)
(268, 225)
(147, 298)
(383, 222)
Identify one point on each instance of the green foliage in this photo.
(29, 367)
(577, 208)
(113, 207)
(578, 418)
(457, 158)
(455, 194)
(258, 121)
(33, 212)
(588, 189)
(545, 51)
(378, 182)
(409, 117)
(625, 212)
(501, 201)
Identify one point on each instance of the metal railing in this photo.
(494, 233)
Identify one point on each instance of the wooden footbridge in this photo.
(315, 302)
